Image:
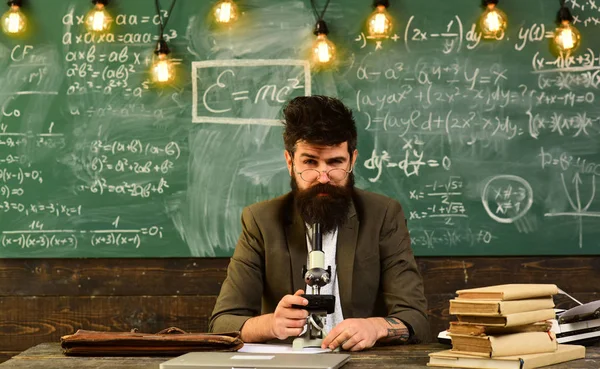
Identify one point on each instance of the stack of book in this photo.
(504, 326)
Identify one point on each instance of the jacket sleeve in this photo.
(241, 292)
(401, 282)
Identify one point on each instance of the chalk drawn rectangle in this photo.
(243, 63)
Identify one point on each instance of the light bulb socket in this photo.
(321, 28)
(18, 3)
(385, 3)
(103, 2)
(162, 48)
(489, 2)
(564, 14)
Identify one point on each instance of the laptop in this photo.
(239, 360)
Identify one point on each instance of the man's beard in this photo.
(331, 210)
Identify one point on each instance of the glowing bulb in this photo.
(493, 22)
(14, 21)
(380, 23)
(226, 11)
(323, 50)
(567, 37)
(98, 19)
(162, 70)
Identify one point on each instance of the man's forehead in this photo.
(303, 147)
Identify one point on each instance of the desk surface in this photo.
(49, 356)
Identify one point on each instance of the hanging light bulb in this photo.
(162, 68)
(14, 21)
(566, 37)
(493, 21)
(226, 11)
(98, 19)
(379, 24)
(323, 50)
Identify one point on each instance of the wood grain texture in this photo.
(572, 274)
(6, 355)
(43, 299)
(197, 276)
(49, 356)
(27, 321)
(112, 277)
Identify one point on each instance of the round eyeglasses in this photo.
(335, 174)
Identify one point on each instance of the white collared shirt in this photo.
(331, 288)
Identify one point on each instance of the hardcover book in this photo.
(453, 359)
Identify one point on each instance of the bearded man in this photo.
(374, 276)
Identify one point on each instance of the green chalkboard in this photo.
(492, 147)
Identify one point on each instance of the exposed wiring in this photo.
(162, 24)
(318, 16)
(564, 14)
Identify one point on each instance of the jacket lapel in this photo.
(296, 240)
(346, 248)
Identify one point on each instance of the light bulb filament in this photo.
(98, 21)
(566, 39)
(224, 13)
(379, 23)
(14, 20)
(161, 70)
(493, 21)
(323, 52)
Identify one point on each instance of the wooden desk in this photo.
(49, 356)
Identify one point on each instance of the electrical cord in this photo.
(316, 12)
(163, 24)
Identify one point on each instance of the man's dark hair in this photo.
(319, 120)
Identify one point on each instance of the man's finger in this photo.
(295, 323)
(291, 313)
(349, 344)
(361, 345)
(293, 332)
(340, 339)
(299, 292)
(289, 300)
(332, 335)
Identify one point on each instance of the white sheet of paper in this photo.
(263, 348)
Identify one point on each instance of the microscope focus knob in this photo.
(317, 277)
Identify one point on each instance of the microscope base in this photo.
(303, 342)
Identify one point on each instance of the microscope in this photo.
(316, 276)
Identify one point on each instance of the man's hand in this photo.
(355, 334)
(283, 323)
(286, 320)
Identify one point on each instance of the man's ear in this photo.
(288, 161)
(354, 156)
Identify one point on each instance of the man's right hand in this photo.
(287, 321)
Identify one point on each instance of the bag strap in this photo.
(172, 330)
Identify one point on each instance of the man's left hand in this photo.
(354, 334)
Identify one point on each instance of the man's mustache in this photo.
(323, 188)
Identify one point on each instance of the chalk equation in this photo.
(246, 91)
(37, 237)
(507, 198)
(444, 201)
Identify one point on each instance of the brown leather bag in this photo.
(171, 341)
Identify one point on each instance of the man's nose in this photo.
(323, 177)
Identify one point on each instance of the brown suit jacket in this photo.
(377, 272)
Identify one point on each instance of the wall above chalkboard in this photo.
(491, 145)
